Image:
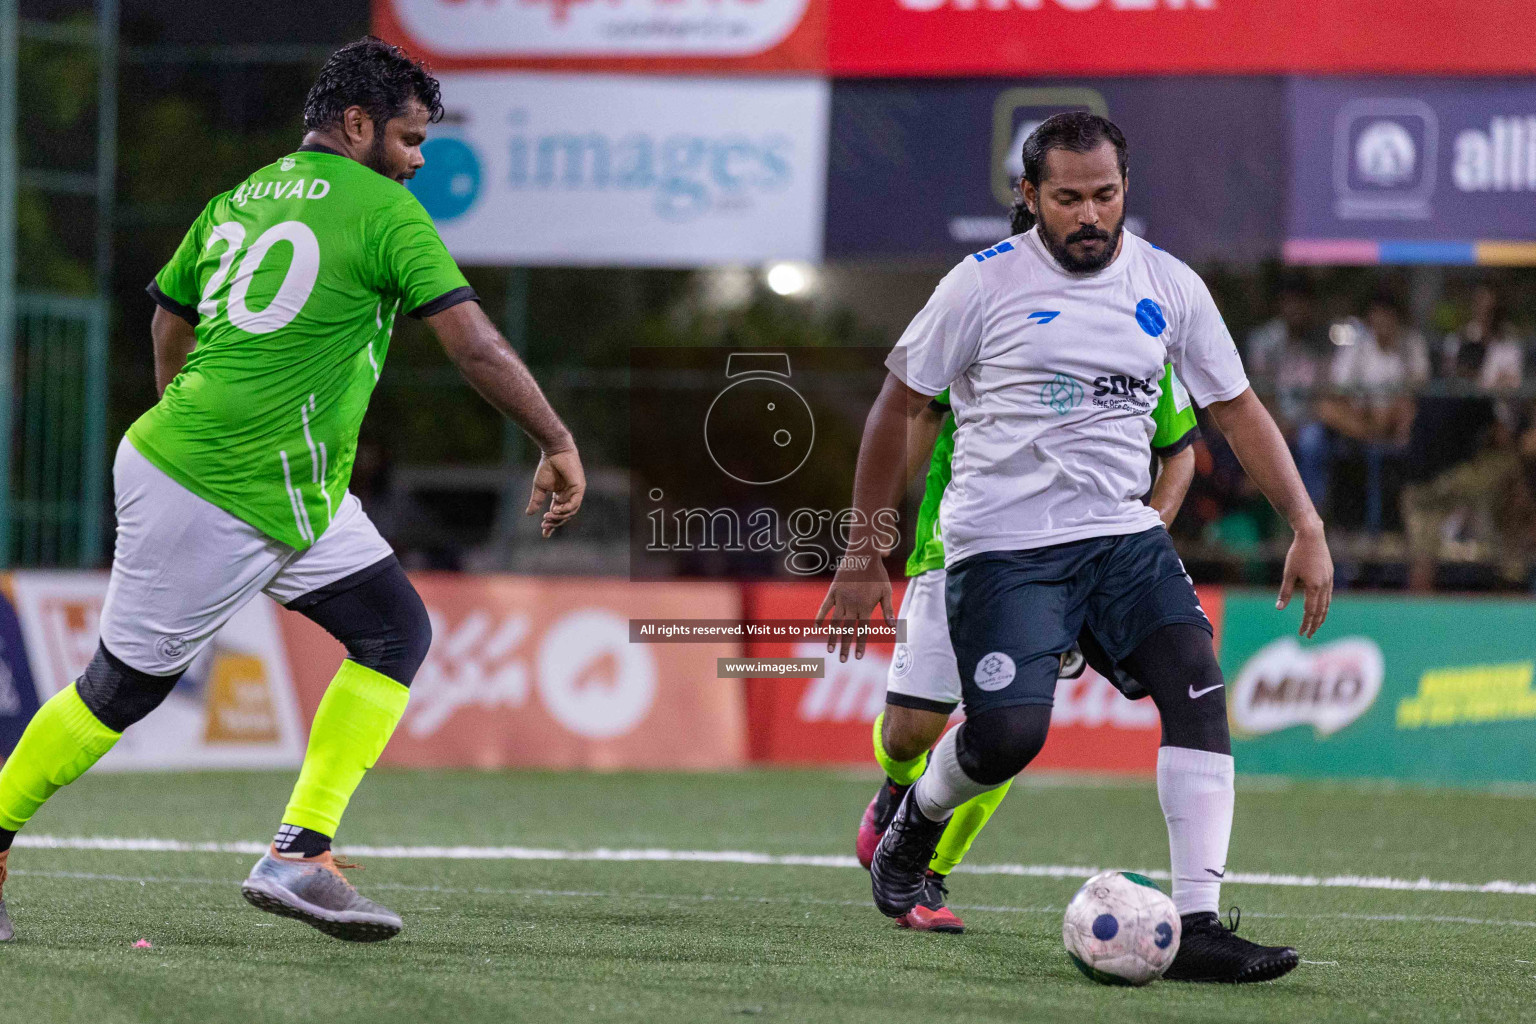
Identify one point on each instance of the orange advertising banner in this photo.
(540, 672)
(828, 720)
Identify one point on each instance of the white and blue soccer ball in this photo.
(1121, 929)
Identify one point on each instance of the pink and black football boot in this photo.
(877, 818)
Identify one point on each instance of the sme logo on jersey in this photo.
(1119, 391)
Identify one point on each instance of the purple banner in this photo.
(926, 168)
(1412, 170)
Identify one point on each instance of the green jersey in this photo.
(292, 282)
(1174, 429)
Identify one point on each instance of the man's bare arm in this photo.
(1174, 475)
(922, 432)
(493, 369)
(1258, 445)
(173, 339)
(501, 378)
(861, 585)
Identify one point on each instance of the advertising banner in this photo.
(1412, 171)
(234, 707)
(1435, 690)
(928, 168)
(611, 170)
(613, 35)
(18, 695)
(533, 672)
(1117, 37)
(828, 720)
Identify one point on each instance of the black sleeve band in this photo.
(445, 301)
(1179, 445)
(170, 305)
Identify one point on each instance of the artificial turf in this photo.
(549, 940)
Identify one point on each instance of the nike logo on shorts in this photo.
(1195, 694)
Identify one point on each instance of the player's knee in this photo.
(400, 645)
(118, 694)
(907, 733)
(996, 745)
(382, 623)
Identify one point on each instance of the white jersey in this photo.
(1053, 377)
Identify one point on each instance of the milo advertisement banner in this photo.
(1435, 690)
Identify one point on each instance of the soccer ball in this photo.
(1121, 929)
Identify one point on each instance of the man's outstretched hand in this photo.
(560, 481)
(1309, 565)
(851, 602)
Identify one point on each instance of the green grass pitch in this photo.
(548, 940)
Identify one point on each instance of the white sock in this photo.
(1195, 789)
(945, 786)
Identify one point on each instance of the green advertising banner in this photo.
(1436, 690)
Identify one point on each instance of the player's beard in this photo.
(376, 159)
(1083, 264)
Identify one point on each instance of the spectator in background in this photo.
(1487, 341)
(1375, 366)
(1288, 358)
(1489, 497)
(1450, 431)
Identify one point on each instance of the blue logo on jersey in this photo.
(1061, 393)
(1045, 316)
(449, 181)
(1150, 315)
(998, 249)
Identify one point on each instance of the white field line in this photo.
(525, 853)
(811, 901)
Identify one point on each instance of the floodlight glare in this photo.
(789, 278)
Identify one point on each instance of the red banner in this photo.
(533, 672)
(609, 35)
(829, 720)
(1116, 37)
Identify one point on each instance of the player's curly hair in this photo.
(372, 74)
(1075, 130)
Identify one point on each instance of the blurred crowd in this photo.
(1419, 446)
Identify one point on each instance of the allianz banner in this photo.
(1412, 171)
(611, 170)
(1433, 690)
(927, 168)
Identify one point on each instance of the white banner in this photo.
(523, 28)
(610, 170)
(234, 707)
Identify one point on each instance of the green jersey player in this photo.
(273, 322)
(923, 687)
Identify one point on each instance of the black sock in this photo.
(6, 837)
(294, 840)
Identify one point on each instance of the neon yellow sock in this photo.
(59, 744)
(964, 826)
(903, 773)
(355, 719)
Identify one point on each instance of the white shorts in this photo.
(923, 670)
(182, 566)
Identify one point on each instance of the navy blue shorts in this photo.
(1012, 614)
